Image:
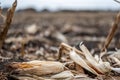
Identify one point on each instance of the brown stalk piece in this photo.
(2, 19)
(7, 23)
(22, 49)
(111, 33)
(0, 10)
(2, 16)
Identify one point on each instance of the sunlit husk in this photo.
(100, 67)
(38, 67)
(63, 75)
(116, 70)
(77, 59)
(86, 60)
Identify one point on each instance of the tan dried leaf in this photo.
(77, 59)
(63, 75)
(100, 67)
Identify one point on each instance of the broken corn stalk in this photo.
(7, 22)
(111, 34)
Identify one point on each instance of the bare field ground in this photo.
(76, 26)
(42, 32)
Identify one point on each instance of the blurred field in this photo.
(90, 27)
(37, 35)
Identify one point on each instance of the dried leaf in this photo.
(80, 76)
(26, 78)
(86, 60)
(100, 67)
(64, 48)
(116, 70)
(77, 59)
(63, 75)
(79, 69)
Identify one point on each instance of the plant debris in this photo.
(7, 22)
(33, 53)
(37, 67)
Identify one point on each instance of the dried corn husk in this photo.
(26, 78)
(77, 59)
(116, 70)
(38, 67)
(115, 54)
(86, 60)
(100, 67)
(63, 75)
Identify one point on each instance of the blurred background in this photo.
(55, 5)
(43, 24)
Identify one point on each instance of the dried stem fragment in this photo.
(111, 33)
(64, 48)
(22, 49)
(1, 14)
(7, 23)
(0, 10)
